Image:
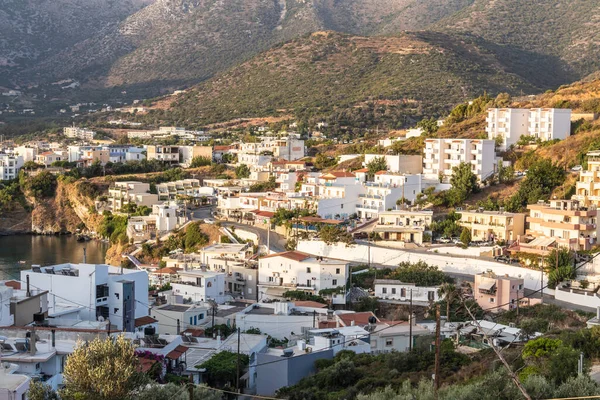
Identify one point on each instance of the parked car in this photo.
(456, 240)
(209, 221)
(444, 239)
(577, 168)
(502, 259)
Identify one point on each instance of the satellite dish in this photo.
(101, 319)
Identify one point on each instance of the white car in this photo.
(577, 168)
(209, 221)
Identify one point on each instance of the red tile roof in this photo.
(146, 320)
(194, 332)
(167, 270)
(381, 172)
(266, 214)
(145, 364)
(359, 318)
(312, 304)
(339, 174)
(13, 284)
(292, 255)
(362, 170)
(221, 148)
(177, 352)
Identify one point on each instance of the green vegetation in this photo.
(41, 186)
(221, 369)
(114, 228)
(332, 234)
(375, 165)
(322, 161)
(200, 161)
(242, 171)
(303, 296)
(419, 273)
(194, 237)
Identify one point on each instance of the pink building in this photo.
(496, 293)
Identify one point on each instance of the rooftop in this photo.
(145, 320)
(226, 247)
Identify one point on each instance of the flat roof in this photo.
(175, 307)
(12, 381)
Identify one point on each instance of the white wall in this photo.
(392, 257)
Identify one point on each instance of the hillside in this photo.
(555, 40)
(343, 76)
(31, 31)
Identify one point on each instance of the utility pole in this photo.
(410, 323)
(191, 390)
(213, 316)
(269, 238)
(438, 345)
(314, 318)
(369, 251)
(237, 379)
(513, 376)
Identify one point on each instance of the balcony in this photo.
(371, 196)
(368, 207)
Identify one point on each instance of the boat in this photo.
(22, 262)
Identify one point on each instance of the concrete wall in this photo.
(586, 299)
(246, 235)
(391, 257)
(273, 374)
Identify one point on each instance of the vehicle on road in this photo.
(577, 168)
(209, 221)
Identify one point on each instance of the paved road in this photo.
(276, 242)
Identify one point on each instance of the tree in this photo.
(323, 161)
(200, 161)
(429, 126)
(331, 234)
(449, 292)
(550, 358)
(40, 391)
(419, 273)
(560, 266)
(221, 369)
(375, 165)
(172, 391)
(464, 183)
(102, 369)
(465, 236)
(242, 171)
(194, 236)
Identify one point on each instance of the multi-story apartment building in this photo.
(286, 166)
(549, 123)
(28, 153)
(404, 226)
(509, 124)
(383, 193)
(116, 294)
(254, 161)
(10, 166)
(442, 155)
(166, 154)
(122, 193)
(495, 293)
(201, 285)
(289, 148)
(188, 153)
(164, 218)
(406, 164)
(543, 123)
(587, 189)
(493, 225)
(566, 222)
(79, 133)
(186, 187)
(295, 270)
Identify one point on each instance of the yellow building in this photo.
(493, 225)
(587, 190)
(566, 222)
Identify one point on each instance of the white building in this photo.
(507, 123)
(287, 148)
(79, 133)
(279, 319)
(164, 218)
(442, 155)
(13, 385)
(295, 270)
(542, 123)
(122, 193)
(408, 164)
(390, 289)
(28, 153)
(200, 285)
(404, 225)
(10, 166)
(549, 123)
(190, 316)
(386, 338)
(117, 294)
(383, 193)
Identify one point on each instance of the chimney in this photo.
(28, 289)
(32, 341)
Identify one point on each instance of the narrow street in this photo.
(276, 242)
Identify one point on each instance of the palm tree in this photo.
(450, 292)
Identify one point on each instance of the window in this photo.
(308, 270)
(492, 299)
(403, 292)
(200, 316)
(337, 271)
(116, 310)
(209, 284)
(249, 290)
(389, 342)
(342, 205)
(520, 286)
(308, 283)
(384, 290)
(117, 295)
(431, 295)
(394, 290)
(334, 282)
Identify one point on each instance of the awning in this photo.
(488, 284)
(539, 242)
(177, 352)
